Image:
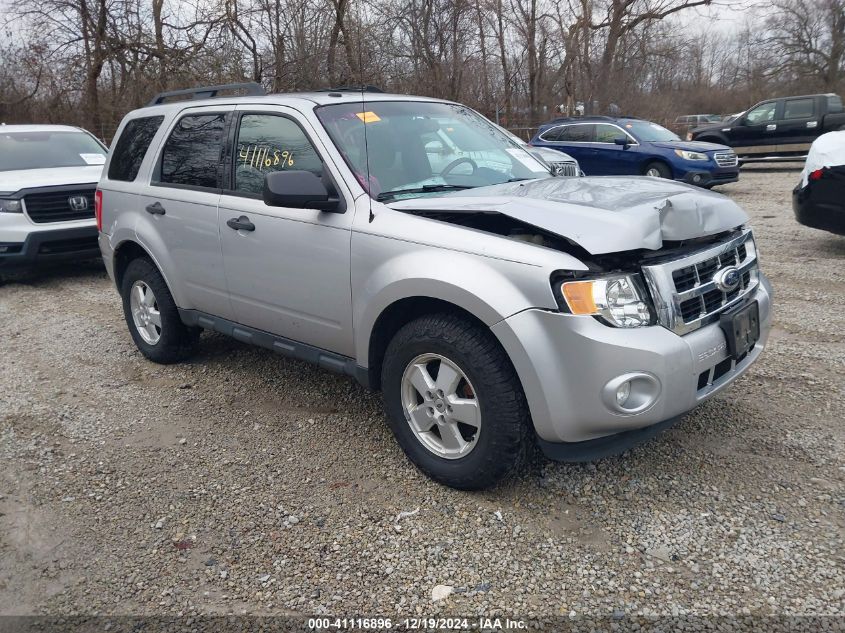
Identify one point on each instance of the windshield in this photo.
(44, 150)
(418, 148)
(647, 132)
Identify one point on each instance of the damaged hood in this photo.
(602, 214)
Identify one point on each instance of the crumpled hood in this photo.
(603, 214)
(691, 146)
(14, 181)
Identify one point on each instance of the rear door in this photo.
(181, 204)
(289, 273)
(798, 125)
(756, 132)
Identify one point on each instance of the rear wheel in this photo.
(454, 402)
(657, 169)
(152, 316)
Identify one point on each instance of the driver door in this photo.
(287, 272)
(757, 130)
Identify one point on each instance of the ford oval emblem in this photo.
(727, 279)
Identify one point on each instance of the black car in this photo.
(821, 203)
(819, 200)
(777, 129)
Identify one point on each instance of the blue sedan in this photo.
(611, 146)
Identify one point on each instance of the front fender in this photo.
(490, 289)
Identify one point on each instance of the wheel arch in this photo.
(397, 315)
(129, 250)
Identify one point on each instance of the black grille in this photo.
(713, 300)
(708, 268)
(55, 206)
(685, 278)
(691, 309)
(74, 245)
(721, 369)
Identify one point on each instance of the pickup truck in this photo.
(777, 129)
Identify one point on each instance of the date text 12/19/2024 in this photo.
(416, 624)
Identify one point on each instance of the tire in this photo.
(500, 444)
(661, 170)
(175, 340)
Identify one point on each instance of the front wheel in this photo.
(454, 402)
(658, 170)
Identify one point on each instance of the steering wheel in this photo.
(459, 161)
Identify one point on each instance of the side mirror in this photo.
(624, 141)
(299, 189)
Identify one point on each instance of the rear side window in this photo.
(552, 134)
(570, 133)
(578, 134)
(191, 155)
(132, 146)
(834, 104)
(799, 108)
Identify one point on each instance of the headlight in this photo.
(620, 300)
(10, 206)
(690, 155)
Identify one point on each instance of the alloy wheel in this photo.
(441, 406)
(145, 312)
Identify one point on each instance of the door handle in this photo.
(771, 127)
(812, 124)
(240, 224)
(155, 209)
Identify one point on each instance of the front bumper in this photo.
(45, 247)
(564, 363)
(702, 178)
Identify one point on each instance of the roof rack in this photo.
(209, 92)
(364, 88)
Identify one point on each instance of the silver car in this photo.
(494, 304)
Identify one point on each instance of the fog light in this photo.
(622, 393)
(632, 393)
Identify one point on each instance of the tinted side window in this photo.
(131, 147)
(608, 133)
(578, 134)
(191, 156)
(799, 108)
(834, 104)
(552, 134)
(268, 143)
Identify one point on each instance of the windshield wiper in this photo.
(384, 195)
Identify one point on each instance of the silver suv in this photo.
(491, 302)
(48, 174)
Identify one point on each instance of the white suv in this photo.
(48, 175)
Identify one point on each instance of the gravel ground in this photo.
(244, 482)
